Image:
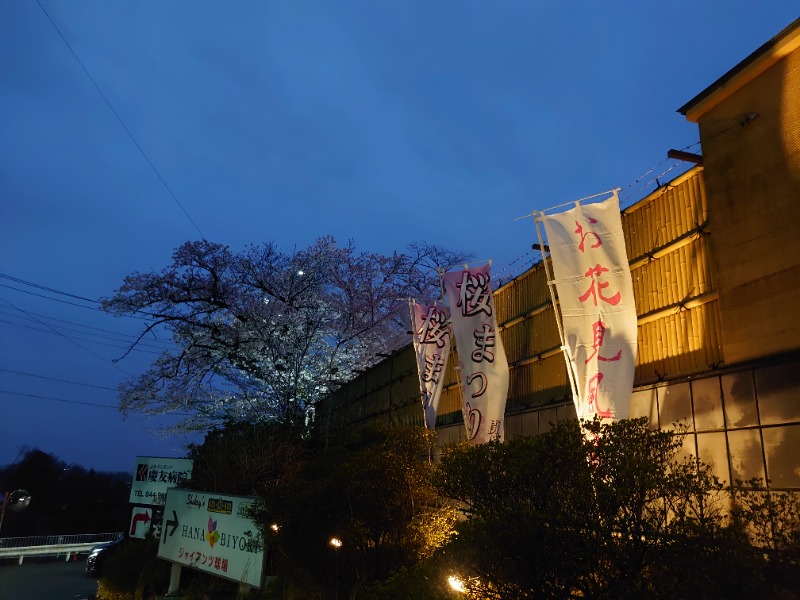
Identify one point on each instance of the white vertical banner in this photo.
(482, 359)
(595, 294)
(431, 334)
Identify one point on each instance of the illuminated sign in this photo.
(153, 476)
(210, 533)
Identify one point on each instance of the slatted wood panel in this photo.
(665, 215)
(667, 242)
(683, 273)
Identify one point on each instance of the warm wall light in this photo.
(275, 527)
(335, 542)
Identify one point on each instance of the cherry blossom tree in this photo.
(262, 334)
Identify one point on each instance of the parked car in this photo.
(98, 555)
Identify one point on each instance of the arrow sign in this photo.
(174, 523)
(139, 518)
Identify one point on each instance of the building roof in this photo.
(759, 61)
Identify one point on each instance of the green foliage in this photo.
(133, 572)
(771, 520)
(605, 512)
(246, 458)
(376, 495)
(422, 581)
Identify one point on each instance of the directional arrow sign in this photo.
(174, 524)
(140, 521)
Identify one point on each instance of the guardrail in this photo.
(53, 545)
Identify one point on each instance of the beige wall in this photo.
(752, 172)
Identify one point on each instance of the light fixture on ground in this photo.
(456, 583)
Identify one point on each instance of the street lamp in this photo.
(14, 501)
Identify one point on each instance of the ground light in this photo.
(336, 543)
(456, 583)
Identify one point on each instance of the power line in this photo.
(52, 330)
(67, 338)
(11, 287)
(114, 337)
(166, 343)
(121, 122)
(11, 393)
(45, 288)
(23, 373)
(142, 315)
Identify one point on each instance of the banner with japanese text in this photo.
(482, 359)
(431, 334)
(595, 295)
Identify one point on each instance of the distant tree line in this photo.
(65, 498)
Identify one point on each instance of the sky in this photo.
(128, 128)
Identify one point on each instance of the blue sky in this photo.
(381, 122)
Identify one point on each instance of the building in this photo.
(715, 261)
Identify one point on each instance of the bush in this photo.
(134, 572)
(376, 494)
(607, 511)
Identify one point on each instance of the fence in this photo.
(53, 545)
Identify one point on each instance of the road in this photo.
(52, 580)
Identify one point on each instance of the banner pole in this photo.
(453, 350)
(548, 266)
(417, 349)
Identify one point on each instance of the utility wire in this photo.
(35, 376)
(142, 315)
(54, 331)
(67, 338)
(125, 337)
(11, 287)
(121, 122)
(116, 337)
(11, 393)
(45, 288)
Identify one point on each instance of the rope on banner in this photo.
(541, 212)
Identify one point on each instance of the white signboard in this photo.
(153, 476)
(211, 533)
(141, 519)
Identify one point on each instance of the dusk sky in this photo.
(128, 128)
